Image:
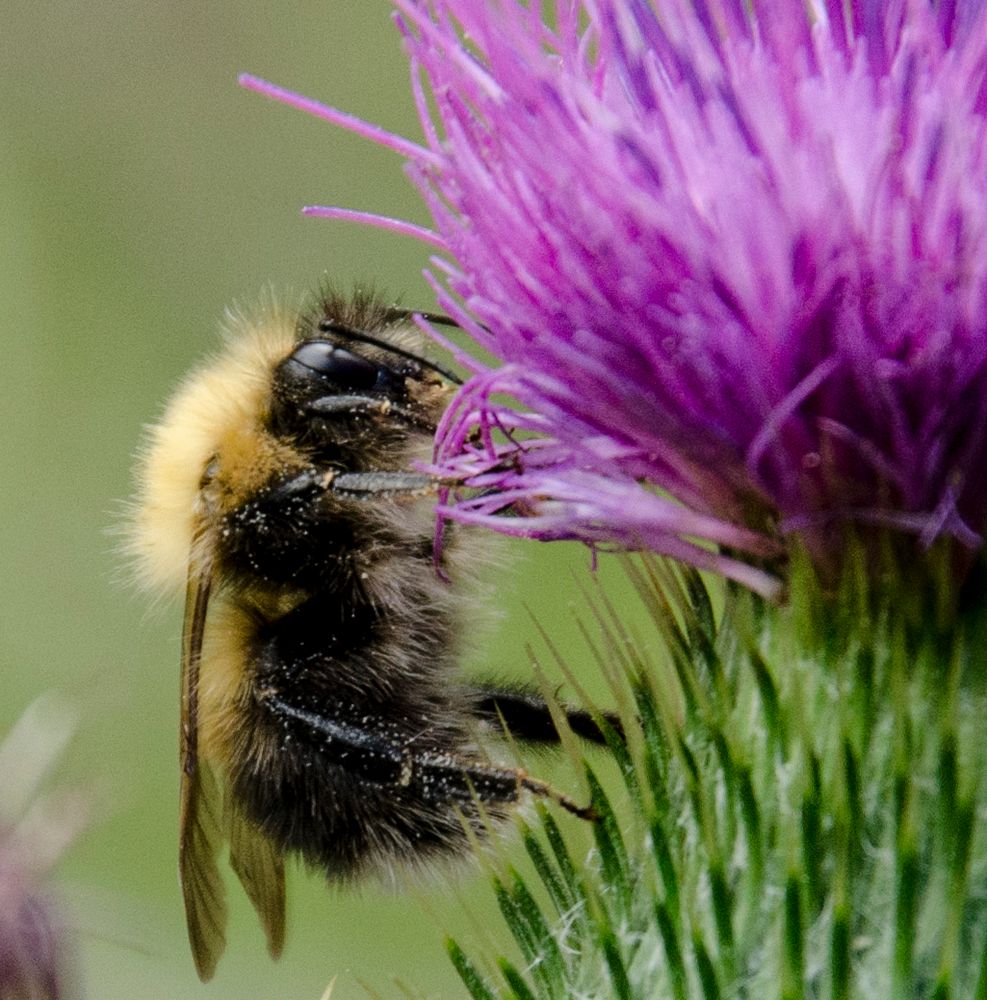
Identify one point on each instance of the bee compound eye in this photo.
(344, 369)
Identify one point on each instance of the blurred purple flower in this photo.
(30, 939)
(35, 829)
(732, 257)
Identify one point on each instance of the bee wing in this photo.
(260, 868)
(200, 815)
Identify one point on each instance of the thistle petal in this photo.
(733, 257)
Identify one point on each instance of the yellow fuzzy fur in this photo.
(215, 410)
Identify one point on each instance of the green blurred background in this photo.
(141, 193)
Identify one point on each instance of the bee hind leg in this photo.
(527, 717)
(463, 781)
(430, 775)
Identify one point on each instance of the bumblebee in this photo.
(321, 714)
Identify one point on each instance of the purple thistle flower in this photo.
(734, 262)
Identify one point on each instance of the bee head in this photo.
(351, 397)
(344, 377)
(319, 370)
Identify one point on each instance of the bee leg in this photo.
(462, 781)
(301, 494)
(351, 405)
(358, 750)
(296, 529)
(435, 776)
(526, 716)
(372, 485)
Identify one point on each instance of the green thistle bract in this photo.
(800, 816)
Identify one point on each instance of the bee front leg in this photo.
(373, 485)
(300, 528)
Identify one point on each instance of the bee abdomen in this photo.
(354, 796)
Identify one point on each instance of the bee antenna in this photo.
(439, 319)
(331, 326)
